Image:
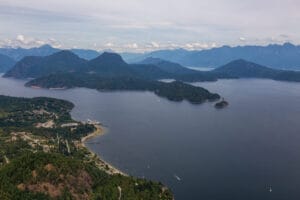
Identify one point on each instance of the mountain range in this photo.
(106, 65)
(286, 56)
(45, 50)
(112, 65)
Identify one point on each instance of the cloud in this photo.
(199, 45)
(24, 12)
(242, 39)
(152, 46)
(155, 45)
(149, 26)
(284, 36)
(132, 46)
(25, 41)
(128, 26)
(109, 45)
(21, 38)
(28, 42)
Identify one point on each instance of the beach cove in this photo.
(102, 164)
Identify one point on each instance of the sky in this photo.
(147, 25)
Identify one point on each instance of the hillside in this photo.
(113, 65)
(55, 176)
(6, 63)
(33, 66)
(178, 72)
(245, 69)
(170, 67)
(150, 71)
(42, 157)
(109, 64)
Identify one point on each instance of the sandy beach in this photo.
(102, 164)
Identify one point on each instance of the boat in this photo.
(177, 177)
(270, 189)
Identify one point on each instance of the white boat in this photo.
(177, 177)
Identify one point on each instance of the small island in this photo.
(221, 104)
(174, 91)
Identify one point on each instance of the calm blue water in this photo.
(234, 153)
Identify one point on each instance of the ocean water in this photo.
(240, 152)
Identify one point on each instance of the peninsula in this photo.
(42, 156)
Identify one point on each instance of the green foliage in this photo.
(103, 186)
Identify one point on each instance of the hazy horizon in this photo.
(149, 51)
(144, 25)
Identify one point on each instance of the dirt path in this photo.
(120, 192)
(6, 160)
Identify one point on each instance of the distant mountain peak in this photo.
(288, 44)
(108, 57)
(167, 66)
(242, 63)
(64, 52)
(244, 68)
(239, 61)
(111, 55)
(110, 64)
(46, 46)
(65, 55)
(36, 66)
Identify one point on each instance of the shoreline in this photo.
(102, 164)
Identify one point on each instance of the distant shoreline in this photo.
(102, 164)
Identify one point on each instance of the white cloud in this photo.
(152, 46)
(199, 46)
(142, 21)
(214, 45)
(21, 38)
(109, 45)
(132, 46)
(242, 39)
(135, 45)
(155, 44)
(28, 42)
